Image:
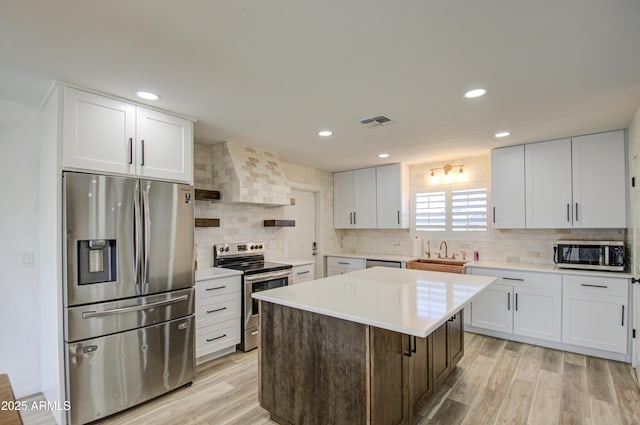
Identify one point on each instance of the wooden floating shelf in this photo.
(207, 195)
(207, 222)
(279, 223)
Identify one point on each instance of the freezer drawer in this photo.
(112, 373)
(95, 320)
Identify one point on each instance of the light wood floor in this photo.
(496, 382)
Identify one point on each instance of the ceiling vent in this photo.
(375, 121)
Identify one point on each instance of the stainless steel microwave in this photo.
(590, 255)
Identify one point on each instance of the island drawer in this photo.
(219, 286)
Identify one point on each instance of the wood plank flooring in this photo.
(496, 382)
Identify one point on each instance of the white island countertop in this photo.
(413, 302)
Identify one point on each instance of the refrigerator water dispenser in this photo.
(96, 261)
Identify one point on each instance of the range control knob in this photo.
(221, 249)
(226, 249)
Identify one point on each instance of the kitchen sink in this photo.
(437, 265)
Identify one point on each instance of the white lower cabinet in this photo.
(522, 303)
(304, 273)
(596, 313)
(218, 314)
(342, 265)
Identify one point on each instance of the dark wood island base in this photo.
(317, 370)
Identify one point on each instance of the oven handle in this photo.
(267, 276)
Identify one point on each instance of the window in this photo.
(452, 212)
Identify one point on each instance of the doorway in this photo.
(301, 241)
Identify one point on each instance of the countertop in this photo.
(208, 273)
(384, 257)
(413, 302)
(546, 268)
(295, 262)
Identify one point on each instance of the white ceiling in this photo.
(271, 73)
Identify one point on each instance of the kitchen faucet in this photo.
(445, 249)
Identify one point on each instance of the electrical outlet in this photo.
(27, 259)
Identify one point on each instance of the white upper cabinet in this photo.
(578, 182)
(343, 200)
(165, 145)
(364, 198)
(370, 198)
(108, 135)
(507, 187)
(354, 199)
(599, 177)
(392, 182)
(98, 132)
(548, 184)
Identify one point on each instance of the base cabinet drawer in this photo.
(304, 273)
(219, 286)
(210, 339)
(345, 262)
(218, 309)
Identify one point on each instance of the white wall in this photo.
(19, 312)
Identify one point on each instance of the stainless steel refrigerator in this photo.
(129, 296)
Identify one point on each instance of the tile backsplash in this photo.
(522, 245)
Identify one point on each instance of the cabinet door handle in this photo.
(514, 278)
(516, 301)
(622, 323)
(398, 216)
(142, 160)
(354, 218)
(415, 344)
(576, 211)
(594, 286)
(408, 352)
(568, 213)
(509, 301)
(350, 218)
(218, 337)
(216, 310)
(214, 288)
(494, 214)
(130, 150)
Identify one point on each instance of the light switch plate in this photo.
(27, 259)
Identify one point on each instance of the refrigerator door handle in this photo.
(147, 233)
(137, 221)
(90, 314)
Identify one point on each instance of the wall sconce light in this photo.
(447, 168)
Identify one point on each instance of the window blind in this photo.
(469, 210)
(431, 211)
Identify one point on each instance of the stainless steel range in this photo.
(258, 275)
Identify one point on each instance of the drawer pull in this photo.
(343, 263)
(218, 337)
(594, 286)
(513, 278)
(305, 272)
(217, 309)
(217, 287)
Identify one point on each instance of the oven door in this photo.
(261, 282)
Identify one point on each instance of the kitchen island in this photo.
(367, 347)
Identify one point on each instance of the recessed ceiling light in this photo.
(147, 95)
(474, 93)
(383, 155)
(325, 133)
(503, 134)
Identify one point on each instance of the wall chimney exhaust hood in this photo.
(246, 174)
